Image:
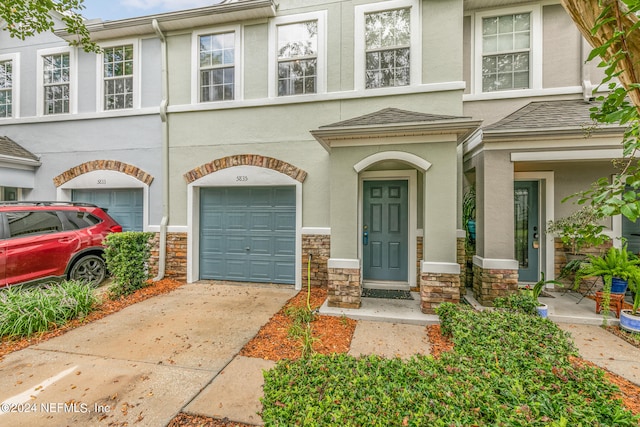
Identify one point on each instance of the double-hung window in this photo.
(217, 67)
(6, 89)
(118, 77)
(508, 49)
(506, 46)
(56, 78)
(388, 48)
(297, 58)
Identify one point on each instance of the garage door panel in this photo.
(125, 205)
(261, 219)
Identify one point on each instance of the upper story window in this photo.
(118, 75)
(56, 77)
(217, 66)
(6, 89)
(387, 46)
(297, 58)
(506, 45)
(508, 50)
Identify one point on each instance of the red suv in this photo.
(51, 241)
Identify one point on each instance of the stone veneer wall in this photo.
(461, 259)
(560, 260)
(176, 262)
(344, 288)
(419, 253)
(437, 288)
(491, 284)
(319, 246)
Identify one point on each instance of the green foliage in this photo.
(469, 214)
(28, 18)
(127, 255)
(580, 229)
(25, 311)
(616, 262)
(621, 195)
(301, 328)
(506, 369)
(521, 302)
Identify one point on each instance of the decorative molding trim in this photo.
(495, 264)
(343, 263)
(326, 231)
(98, 165)
(461, 234)
(439, 267)
(403, 156)
(246, 160)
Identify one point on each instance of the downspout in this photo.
(587, 86)
(162, 253)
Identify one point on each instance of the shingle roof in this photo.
(541, 115)
(391, 116)
(10, 148)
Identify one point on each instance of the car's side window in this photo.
(78, 219)
(33, 222)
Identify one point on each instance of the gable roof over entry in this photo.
(394, 122)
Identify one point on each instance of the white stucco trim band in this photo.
(535, 156)
(402, 156)
(495, 264)
(439, 267)
(316, 231)
(340, 263)
(461, 234)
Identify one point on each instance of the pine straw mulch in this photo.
(9, 345)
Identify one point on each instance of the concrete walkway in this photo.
(179, 353)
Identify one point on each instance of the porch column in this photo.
(495, 267)
(344, 269)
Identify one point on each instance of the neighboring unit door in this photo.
(385, 230)
(123, 204)
(248, 234)
(527, 230)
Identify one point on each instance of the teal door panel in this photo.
(527, 230)
(125, 205)
(386, 222)
(247, 234)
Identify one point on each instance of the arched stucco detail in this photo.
(245, 160)
(403, 156)
(101, 165)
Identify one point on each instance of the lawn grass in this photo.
(506, 369)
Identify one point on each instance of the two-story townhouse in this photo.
(88, 125)
(320, 130)
(529, 83)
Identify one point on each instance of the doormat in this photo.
(386, 294)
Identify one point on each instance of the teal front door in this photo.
(527, 230)
(385, 230)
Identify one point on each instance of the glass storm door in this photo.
(527, 230)
(385, 229)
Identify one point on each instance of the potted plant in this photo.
(469, 215)
(617, 267)
(535, 291)
(630, 319)
(578, 230)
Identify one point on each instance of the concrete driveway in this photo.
(139, 366)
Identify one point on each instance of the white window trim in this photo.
(535, 64)
(73, 83)
(321, 76)
(15, 84)
(237, 62)
(415, 48)
(136, 74)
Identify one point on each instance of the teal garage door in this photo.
(248, 234)
(122, 204)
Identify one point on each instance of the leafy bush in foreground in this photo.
(506, 369)
(127, 255)
(27, 311)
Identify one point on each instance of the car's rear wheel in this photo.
(89, 269)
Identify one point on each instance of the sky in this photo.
(121, 9)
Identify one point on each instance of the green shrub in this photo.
(521, 302)
(27, 311)
(127, 255)
(506, 369)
